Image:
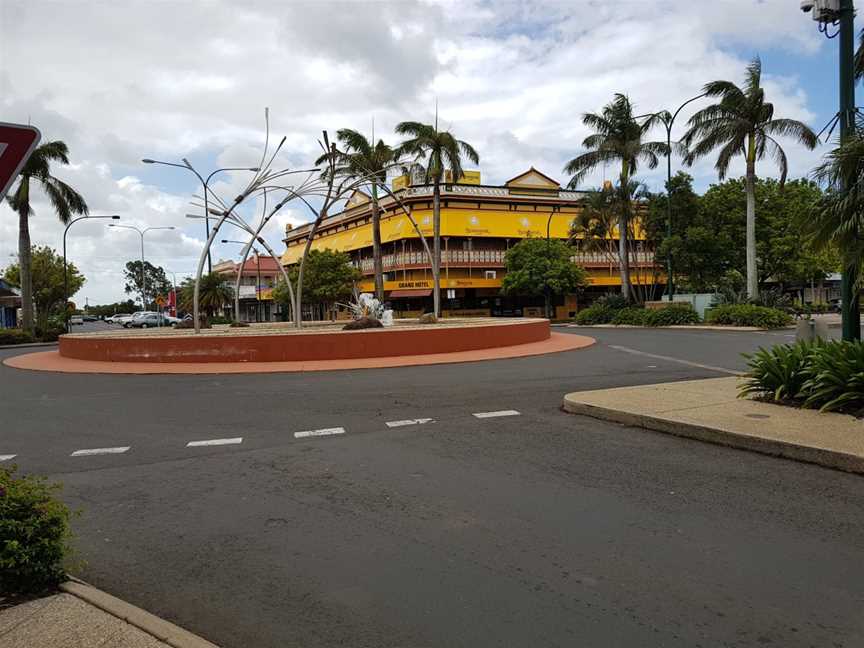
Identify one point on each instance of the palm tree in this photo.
(743, 123)
(65, 200)
(436, 152)
(618, 137)
(838, 217)
(213, 293)
(362, 159)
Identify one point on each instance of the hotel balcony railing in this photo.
(487, 258)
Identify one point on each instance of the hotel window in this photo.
(490, 274)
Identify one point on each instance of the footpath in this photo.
(82, 616)
(710, 410)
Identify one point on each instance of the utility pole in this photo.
(851, 312)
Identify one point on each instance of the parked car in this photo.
(76, 319)
(90, 318)
(119, 318)
(152, 320)
(136, 315)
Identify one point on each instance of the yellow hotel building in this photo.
(479, 223)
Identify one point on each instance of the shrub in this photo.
(219, 319)
(34, 534)
(630, 316)
(615, 301)
(672, 315)
(835, 376)
(779, 372)
(598, 313)
(15, 336)
(237, 324)
(827, 375)
(749, 315)
(362, 323)
(50, 334)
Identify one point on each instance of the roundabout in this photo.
(281, 348)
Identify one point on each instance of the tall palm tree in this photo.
(743, 123)
(65, 200)
(363, 159)
(436, 152)
(618, 138)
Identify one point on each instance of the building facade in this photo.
(479, 223)
(259, 275)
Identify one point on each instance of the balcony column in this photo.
(447, 257)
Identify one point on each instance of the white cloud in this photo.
(121, 81)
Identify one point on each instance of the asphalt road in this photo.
(536, 529)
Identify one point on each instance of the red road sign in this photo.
(16, 144)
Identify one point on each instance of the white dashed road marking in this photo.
(420, 421)
(7, 457)
(99, 451)
(215, 442)
(483, 415)
(321, 432)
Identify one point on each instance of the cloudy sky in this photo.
(119, 81)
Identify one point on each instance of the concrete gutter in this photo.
(710, 411)
(28, 345)
(161, 629)
(691, 327)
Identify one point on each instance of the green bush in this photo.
(15, 336)
(595, 314)
(632, 316)
(778, 372)
(615, 301)
(219, 319)
(34, 534)
(827, 375)
(672, 315)
(748, 315)
(834, 376)
(50, 334)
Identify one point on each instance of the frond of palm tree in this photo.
(436, 152)
(213, 293)
(742, 124)
(64, 199)
(360, 158)
(618, 138)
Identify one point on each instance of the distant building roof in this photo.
(268, 264)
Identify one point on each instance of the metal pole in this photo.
(143, 276)
(670, 287)
(549, 262)
(65, 282)
(848, 290)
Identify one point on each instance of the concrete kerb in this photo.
(684, 327)
(824, 457)
(28, 345)
(161, 629)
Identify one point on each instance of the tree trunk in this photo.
(750, 187)
(25, 271)
(623, 219)
(436, 248)
(378, 268)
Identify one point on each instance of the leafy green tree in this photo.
(155, 281)
(743, 123)
(363, 159)
(700, 245)
(782, 246)
(65, 200)
(618, 138)
(540, 267)
(214, 293)
(104, 310)
(435, 152)
(328, 278)
(47, 282)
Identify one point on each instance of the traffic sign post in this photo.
(17, 142)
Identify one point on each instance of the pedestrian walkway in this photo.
(84, 617)
(710, 410)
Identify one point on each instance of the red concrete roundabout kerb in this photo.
(248, 351)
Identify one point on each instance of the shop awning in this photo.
(397, 294)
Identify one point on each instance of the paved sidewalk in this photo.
(88, 618)
(709, 410)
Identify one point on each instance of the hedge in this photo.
(749, 315)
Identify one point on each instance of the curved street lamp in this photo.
(141, 233)
(668, 120)
(65, 272)
(205, 184)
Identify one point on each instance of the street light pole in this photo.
(549, 265)
(668, 120)
(65, 270)
(205, 184)
(141, 234)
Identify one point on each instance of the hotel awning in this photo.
(396, 294)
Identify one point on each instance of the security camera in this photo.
(807, 5)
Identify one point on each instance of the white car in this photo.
(76, 319)
(122, 319)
